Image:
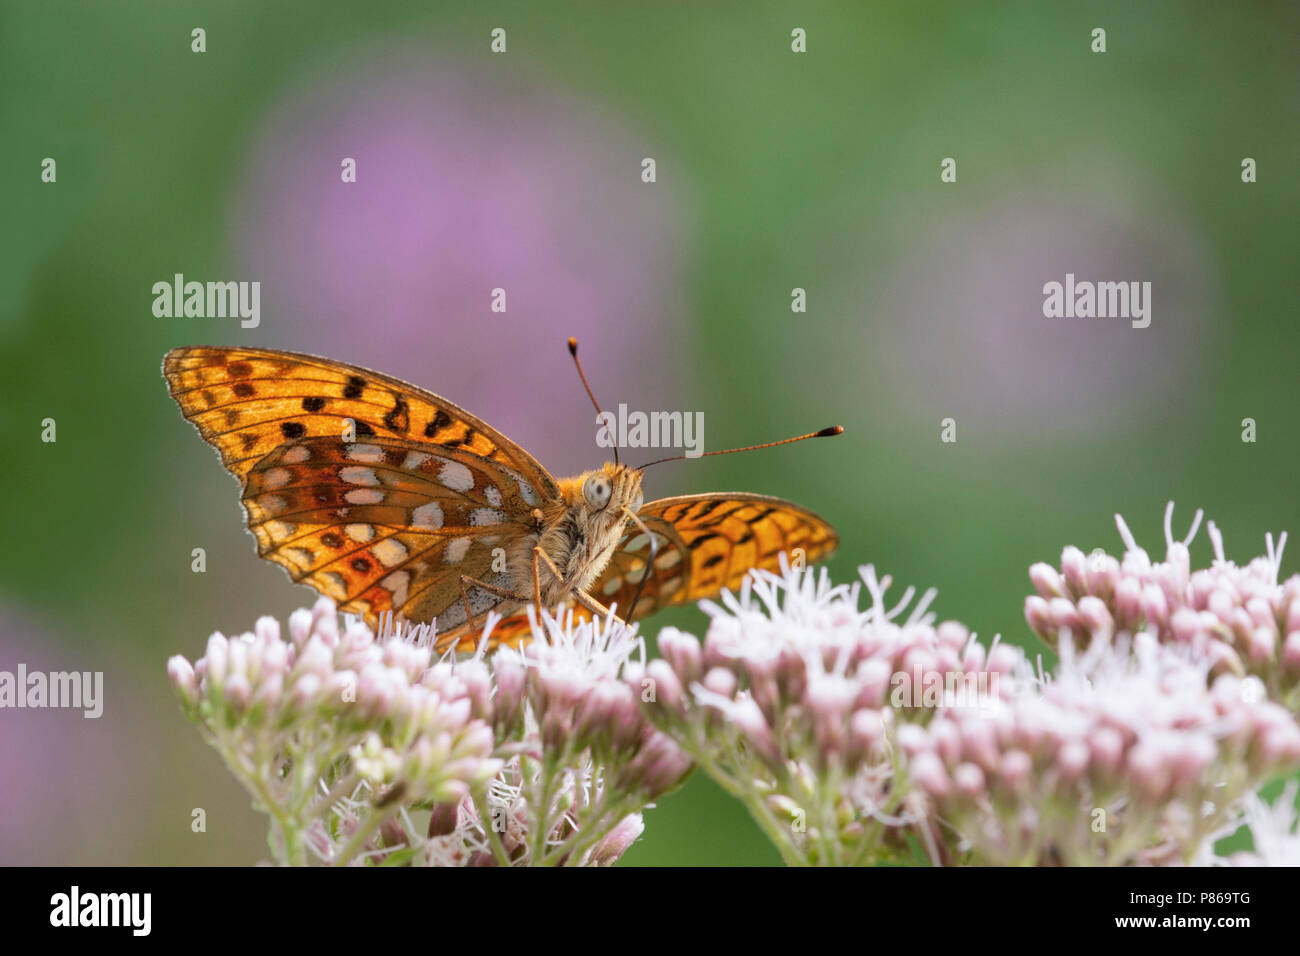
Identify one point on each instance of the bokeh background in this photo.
(522, 171)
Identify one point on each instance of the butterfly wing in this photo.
(706, 543)
(388, 525)
(248, 402)
(278, 420)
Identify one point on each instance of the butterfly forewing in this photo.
(385, 521)
(248, 402)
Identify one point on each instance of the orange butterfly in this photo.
(388, 498)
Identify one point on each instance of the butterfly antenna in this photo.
(824, 433)
(649, 563)
(573, 350)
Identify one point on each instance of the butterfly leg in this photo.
(595, 607)
(586, 600)
(653, 541)
(505, 593)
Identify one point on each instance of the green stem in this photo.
(371, 823)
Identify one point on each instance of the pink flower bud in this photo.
(748, 719)
(1073, 759)
(181, 675)
(928, 773)
(953, 634)
(1107, 750)
(1149, 771)
(1261, 614)
(980, 744)
(1074, 569)
(267, 630)
(1128, 602)
(1222, 603)
(1192, 758)
(1038, 616)
(216, 657)
(1292, 611)
(912, 739)
(1103, 575)
(682, 652)
(1015, 770)
(1095, 616)
(721, 681)
(974, 658)
(1279, 747)
(237, 692)
(946, 739)
(268, 690)
(304, 690)
(443, 820)
(866, 734)
(627, 724)
(1155, 608)
(662, 764)
(873, 683)
(594, 713)
(1046, 581)
(300, 626)
(1004, 659)
(618, 840)
(1223, 659)
(969, 780)
(667, 687)
(1291, 652)
(1263, 644)
(1064, 615)
(1186, 626)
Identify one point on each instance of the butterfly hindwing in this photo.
(708, 543)
(247, 402)
(387, 524)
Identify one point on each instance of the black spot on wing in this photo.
(399, 419)
(440, 421)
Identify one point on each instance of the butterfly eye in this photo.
(597, 491)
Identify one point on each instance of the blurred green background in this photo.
(522, 170)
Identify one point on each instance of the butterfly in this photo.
(396, 502)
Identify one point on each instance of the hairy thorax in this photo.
(576, 534)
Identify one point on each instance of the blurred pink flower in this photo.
(62, 775)
(468, 179)
(966, 329)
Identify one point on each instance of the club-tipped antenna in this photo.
(824, 433)
(573, 350)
